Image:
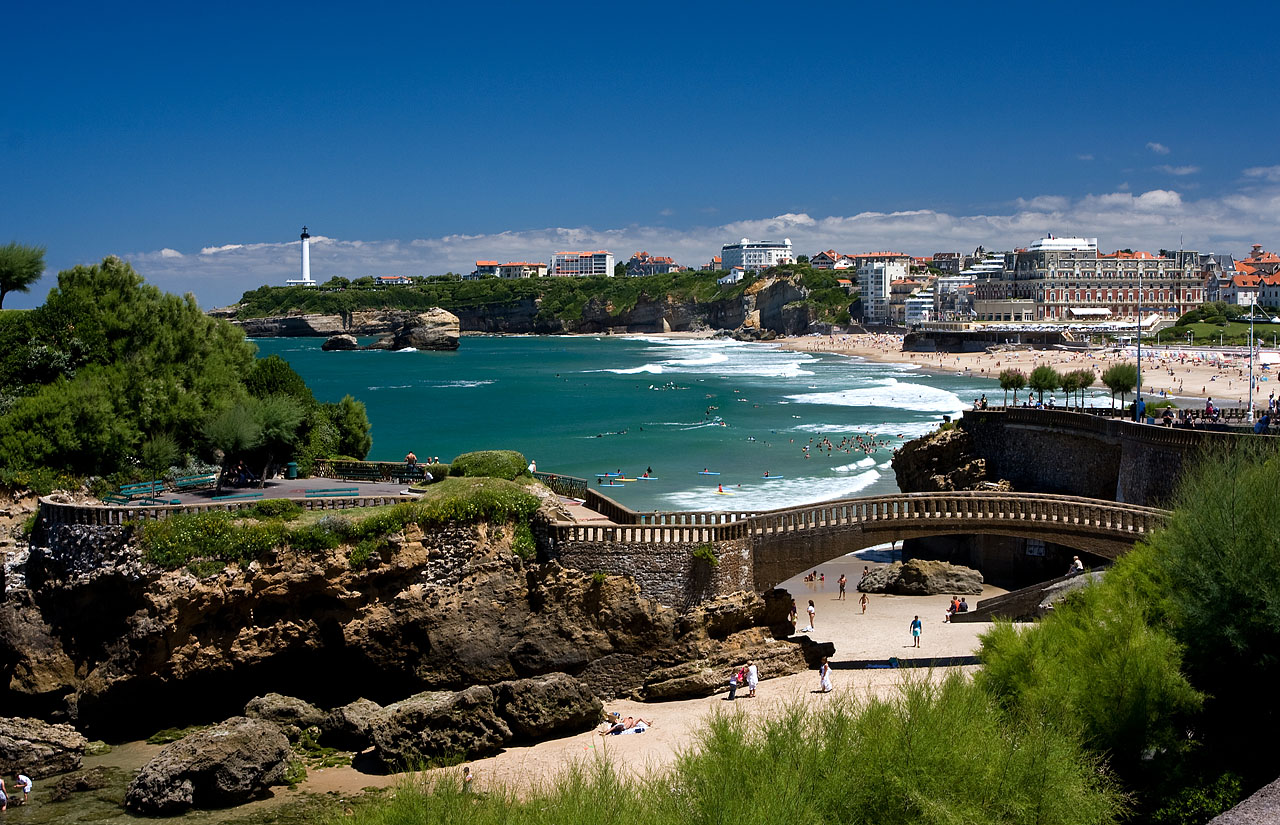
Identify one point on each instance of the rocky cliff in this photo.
(98, 634)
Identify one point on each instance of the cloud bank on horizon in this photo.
(1152, 220)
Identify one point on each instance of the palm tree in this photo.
(1012, 379)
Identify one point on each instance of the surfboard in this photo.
(646, 478)
(723, 493)
(770, 478)
(707, 473)
(609, 475)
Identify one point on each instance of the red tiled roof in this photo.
(1244, 268)
(486, 263)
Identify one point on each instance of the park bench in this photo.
(332, 492)
(157, 502)
(115, 498)
(231, 496)
(410, 473)
(359, 472)
(142, 489)
(192, 482)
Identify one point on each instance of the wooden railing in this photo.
(967, 507)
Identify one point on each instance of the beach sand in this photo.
(881, 633)
(1163, 368)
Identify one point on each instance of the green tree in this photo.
(273, 376)
(158, 453)
(1068, 381)
(279, 417)
(1085, 379)
(1012, 379)
(20, 267)
(1043, 379)
(802, 259)
(1121, 379)
(620, 269)
(351, 421)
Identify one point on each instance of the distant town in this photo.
(1053, 280)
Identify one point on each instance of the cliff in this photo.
(97, 634)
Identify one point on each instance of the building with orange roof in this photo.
(713, 265)
(1066, 279)
(484, 268)
(642, 263)
(1262, 261)
(581, 264)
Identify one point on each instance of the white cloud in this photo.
(1158, 148)
(1271, 174)
(1177, 170)
(666, 213)
(170, 253)
(1150, 220)
(1084, 157)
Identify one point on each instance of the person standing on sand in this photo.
(753, 679)
(916, 627)
(813, 611)
(863, 602)
(824, 676)
(843, 581)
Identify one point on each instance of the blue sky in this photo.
(197, 139)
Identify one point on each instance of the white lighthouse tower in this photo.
(305, 280)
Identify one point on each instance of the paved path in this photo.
(293, 488)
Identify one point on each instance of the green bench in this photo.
(192, 482)
(407, 474)
(115, 498)
(142, 489)
(231, 496)
(332, 492)
(360, 473)
(157, 502)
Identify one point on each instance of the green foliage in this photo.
(931, 755)
(281, 508)
(507, 464)
(158, 453)
(1012, 379)
(1121, 379)
(204, 568)
(169, 735)
(177, 540)
(314, 538)
(40, 480)
(523, 543)
(1097, 665)
(1214, 312)
(1200, 802)
(599, 577)
(20, 267)
(273, 376)
(1043, 379)
(366, 553)
(296, 773)
(706, 554)
(115, 361)
(351, 422)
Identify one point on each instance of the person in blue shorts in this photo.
(916, 627)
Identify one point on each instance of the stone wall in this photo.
(667, 572)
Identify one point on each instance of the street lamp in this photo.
(1137, 404)
(1253, 306)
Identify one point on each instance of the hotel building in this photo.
(581, 264)
(756, 255)
(1066, 279)
(642, 263)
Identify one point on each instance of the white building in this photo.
(873, 281)
(919, 308)
(581, 264)
(735, 275)
(756, 255)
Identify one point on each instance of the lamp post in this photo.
(1253, 306)
(1137, 404)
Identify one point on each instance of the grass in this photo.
(932, 754)
(1232, 332)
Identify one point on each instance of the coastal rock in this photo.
(348, 727)
(920, 577)
(439, 724)
(940, 462)
(293, 326)
(218, 767)
(709, 675)
(340, 342)
(435, 329)
(37, 748)
(93, 779)
(553, 705)
(292, 715)
(1058, 591)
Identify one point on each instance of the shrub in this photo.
(365, 553)
(706, 554)
(523, 543)
(174, 541)
(314, 538)
(507, 464)
(276, 508)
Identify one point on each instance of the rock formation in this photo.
(291, 715)
(940, 462)
(919, 577)
(340, 342)
(225, 765)
(38, 749)
(435, 329)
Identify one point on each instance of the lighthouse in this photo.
(305, 280)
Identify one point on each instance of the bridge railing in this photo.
(562, 485)
(961, 506)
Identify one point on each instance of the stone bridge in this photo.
(757, 550)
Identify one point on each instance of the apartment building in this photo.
(581, 264)
(713, 265)
(874, 281)
(522, 269)
(642, 263)
(830, 259)
(1067, 279)
(754, 256)
(485, 268)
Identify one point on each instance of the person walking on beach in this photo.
(842, 582)
(733, 686)
(813, 611)
(824, 676)
(863, 601)
(753, 679)
(916, 627)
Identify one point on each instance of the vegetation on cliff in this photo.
(111, 376)
(1165, 666)
(559, 299)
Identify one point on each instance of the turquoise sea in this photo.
(588, 405)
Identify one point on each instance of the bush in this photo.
(173, 542)
(706, 554)
(507, 464)
(281, 508)
(523, 543)
(314, 538)
(365, 553)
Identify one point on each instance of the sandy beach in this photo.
(1170, 371)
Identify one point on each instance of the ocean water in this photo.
(584, 405)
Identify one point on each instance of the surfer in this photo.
(766, 473)
(719, 488)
